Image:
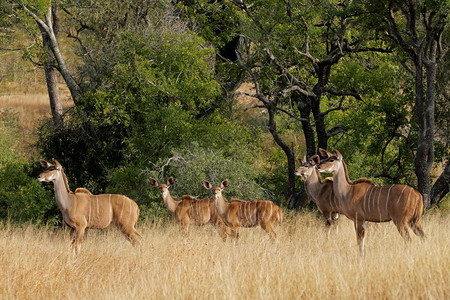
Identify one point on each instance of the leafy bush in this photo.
(22, 197)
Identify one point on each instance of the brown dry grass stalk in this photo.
(31, 106)
(300, 264)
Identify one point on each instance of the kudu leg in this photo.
(335, 218)
(224, 232)
(402, 228)
(417, 229)
(235, 233)
(72, 235)
(132, 235)
(360, 227)
(269, 229)
(79, 235)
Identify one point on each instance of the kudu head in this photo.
(331, 161)
(216, 190)
(52, 171)
(307, 168)
(163, 188)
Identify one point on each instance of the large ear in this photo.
(45, 164)
(57, 164)
(207, 185)
(224, 184)
(325, 153)
(337, 153)
(300, 161)
(315, 160)
(170, 181)
(154, 182)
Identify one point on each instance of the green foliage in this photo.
(378, 125)
(22, 197)
(192, 164)
(9, 134)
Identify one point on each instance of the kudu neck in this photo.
(63, 194)
(221, 204)
(341, 181)
(171, 204)
(313, 182)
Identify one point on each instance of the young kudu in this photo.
(189, 210)
(363, 201)
(321, 191)
(241, 213)
(81, 209)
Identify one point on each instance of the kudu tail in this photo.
(414, 223)
(280, 216)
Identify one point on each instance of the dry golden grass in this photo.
(300, 264)
(32, 105)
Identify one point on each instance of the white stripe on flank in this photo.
(245, 212)
(209, 211)
(387, 198)
(110, 209)
(399, 197)
(378, 189)
(129, 200)
(410, 190)
(89, 217)
(121, 212)
(370, 198)
(366, 199)
(195, 204)
(270, 214)
(379, 194)
(241, 217)
(98, 214)
(254, 211)
(264, 210)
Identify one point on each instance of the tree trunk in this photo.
(288, 151)
(46, 25)
(441, 187)
(305, 109)
(52, 79)
(425, 148)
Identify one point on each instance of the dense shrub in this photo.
(22, 197)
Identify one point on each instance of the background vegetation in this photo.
(167, 88)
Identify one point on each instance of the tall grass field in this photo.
(302, 263)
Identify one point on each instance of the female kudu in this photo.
(189, 210)
(241, 213)
(321, 191)
(81, 209)
(363, 201)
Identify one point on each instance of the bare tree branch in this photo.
(352, 93)
(298, 89)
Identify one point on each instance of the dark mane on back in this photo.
(359, 180)
(83, 190)
(65, 181)
(318, 175)
(363, 180)
(237, 200)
